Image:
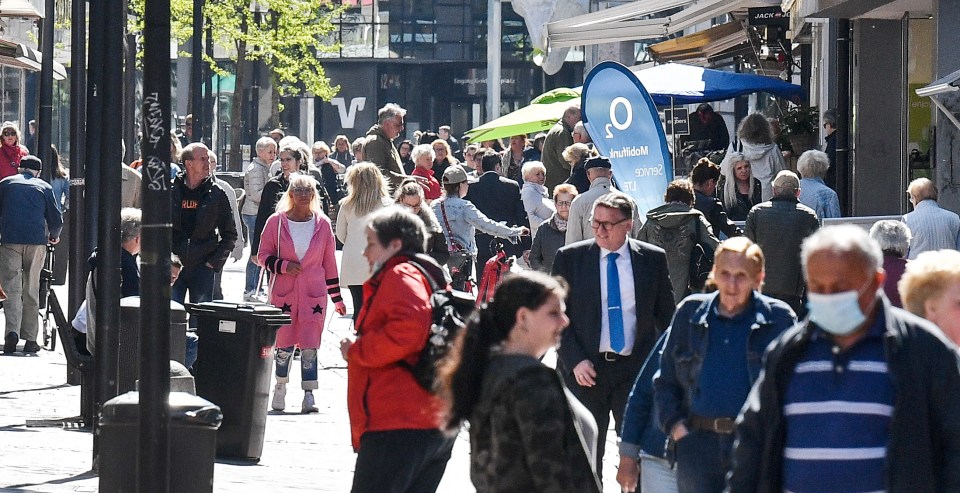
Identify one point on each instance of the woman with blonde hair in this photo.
(739, 190)
(366, 193)
(443, 156)
(410, 195)
(11, 150)
(298, 248)
(930, 288)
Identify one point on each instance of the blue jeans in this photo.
(190, 357)
(198, 279)
(308, 366)
(253, 271)
(656, 475)
(703, 459)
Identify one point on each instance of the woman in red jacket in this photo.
(297, 246)
(11, 151)
(394, 421)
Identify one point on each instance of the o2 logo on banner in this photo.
(620, 116)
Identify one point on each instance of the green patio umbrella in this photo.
(542, 113)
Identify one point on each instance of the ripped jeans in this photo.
(308, 366)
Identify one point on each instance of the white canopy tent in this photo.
(622, 24)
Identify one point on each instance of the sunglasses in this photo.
(9, 134)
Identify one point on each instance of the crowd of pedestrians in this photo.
(772, 357)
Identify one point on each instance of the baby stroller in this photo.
(493, 272)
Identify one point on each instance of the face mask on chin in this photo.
(838, 314)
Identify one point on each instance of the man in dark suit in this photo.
(621, 300)
(499, 199)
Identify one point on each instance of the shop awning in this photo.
(943, 85)
(622, 23)
(32, 59)
(701, 47)
(19, 8)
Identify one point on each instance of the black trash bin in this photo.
(193, 443)
(234, 359)
(129, 343)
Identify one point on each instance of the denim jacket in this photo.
(678, 380)
(464, 219)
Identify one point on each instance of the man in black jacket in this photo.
(499, 199)
(203, 229)
(860, 397)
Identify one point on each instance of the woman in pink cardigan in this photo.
(297, 246)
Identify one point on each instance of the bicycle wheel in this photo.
(49, 330)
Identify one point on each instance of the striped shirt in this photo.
(932, 227)
(837, 410)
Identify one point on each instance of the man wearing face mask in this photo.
(860, 397)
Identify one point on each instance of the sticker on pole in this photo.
(228, 326)
(620, 116)
(266, 352)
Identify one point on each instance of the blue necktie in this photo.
(614, 308)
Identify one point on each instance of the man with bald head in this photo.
(559, 138)
(932, 227)
(861, 396)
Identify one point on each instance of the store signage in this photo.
(620, 115)
(348, 116)
(677, 117)
(767, 16)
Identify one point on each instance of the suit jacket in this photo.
(579, 265)
(499, 199)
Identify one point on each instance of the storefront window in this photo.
(10, 98)
(919, 109)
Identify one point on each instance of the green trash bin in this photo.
(193, 442)
(233, 370)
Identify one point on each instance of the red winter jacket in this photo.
(392, 326)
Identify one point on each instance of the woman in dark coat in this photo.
(705, 177)
(410, 195)
(527, 431)
(551, 235)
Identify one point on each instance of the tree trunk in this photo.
(240, 109)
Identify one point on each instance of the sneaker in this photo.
(309, 404)
(31, 347)
(279, 397)
(10, 342)
(252, 298)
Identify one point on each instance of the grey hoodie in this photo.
(765, 162)
(674, 227)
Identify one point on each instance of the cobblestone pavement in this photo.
(300, 453)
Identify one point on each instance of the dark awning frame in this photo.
(943, 85)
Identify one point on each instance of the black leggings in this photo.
(356, 292)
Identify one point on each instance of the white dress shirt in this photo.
(628, 301)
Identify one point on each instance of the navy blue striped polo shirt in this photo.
(837, 411)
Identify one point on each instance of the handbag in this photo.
(263, 270)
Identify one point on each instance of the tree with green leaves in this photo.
(287, 39)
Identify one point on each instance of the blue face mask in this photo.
(838, 314)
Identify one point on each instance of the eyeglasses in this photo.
(438, 149)
(605, 225)
(9, 134)
(302, 191)
(563, 203)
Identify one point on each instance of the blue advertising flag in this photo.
(622, 120)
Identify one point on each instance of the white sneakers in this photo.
(253, 298)
(279, 397)
(279, 402)
(309, 405)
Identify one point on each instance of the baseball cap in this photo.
(456, 174)
(597, 162)
(786, 179)
(31, 162)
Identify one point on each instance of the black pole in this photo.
(92, 176)
(45, 115)
(844, 174)
(155, 245)
(196, 72)
(78, 102)
(130, 97)
(255, 93)
(208, 96)
(77, 245)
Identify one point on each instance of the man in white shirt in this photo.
(624, 300)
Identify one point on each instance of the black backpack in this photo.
(451, 310)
